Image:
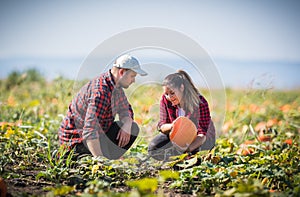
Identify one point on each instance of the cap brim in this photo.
(140, 72)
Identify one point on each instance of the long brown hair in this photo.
(190, 92)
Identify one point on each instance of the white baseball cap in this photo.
(129, 62)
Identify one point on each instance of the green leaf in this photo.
(34, 103)
(168, 174)
(188, 163)
(144, 185)
(62, 190)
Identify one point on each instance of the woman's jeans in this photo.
(161, 148)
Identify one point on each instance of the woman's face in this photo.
(174, 95)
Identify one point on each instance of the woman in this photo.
(181, 98)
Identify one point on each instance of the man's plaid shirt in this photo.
(93, 110)
(200, 116)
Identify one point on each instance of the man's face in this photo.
(127, 78)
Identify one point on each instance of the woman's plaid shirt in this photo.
(200, 116)
(93, 110)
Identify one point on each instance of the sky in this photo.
(256, 30)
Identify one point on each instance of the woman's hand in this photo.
(166, 128)
(200, 139)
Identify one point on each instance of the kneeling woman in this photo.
(181, 98)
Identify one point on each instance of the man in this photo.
(89, 126)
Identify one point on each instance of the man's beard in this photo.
(121, 85)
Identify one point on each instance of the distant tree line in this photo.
(17, 78)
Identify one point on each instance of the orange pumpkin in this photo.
(183, 133)
(288, 141)
(245, 151)
(247, 142)
(264, 138)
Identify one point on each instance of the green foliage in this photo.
(250, 187)
(145, 185)
(60, 190)
(26, 77)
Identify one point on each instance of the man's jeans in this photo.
(109, 142)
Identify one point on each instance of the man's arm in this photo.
(125, 131)
(94, 147)
(92, 127)
(125, 112)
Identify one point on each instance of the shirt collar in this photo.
(107, 76)
(111, 78)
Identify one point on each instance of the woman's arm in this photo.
(166, 128)
(164, 124)
(200, 139)
(204, 119)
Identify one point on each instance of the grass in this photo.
(257, 152)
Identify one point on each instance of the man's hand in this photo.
(125, 131)
(94, 147)
(123, 137)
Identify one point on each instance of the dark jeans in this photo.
(109, 142)
(161, 148)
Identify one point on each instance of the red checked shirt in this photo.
(93, 110)
(200, 116)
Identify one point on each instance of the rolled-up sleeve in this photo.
(124, 109)
(163, 113)
(120, 104)
(204, 118)
(92, 127)
(130, 111)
